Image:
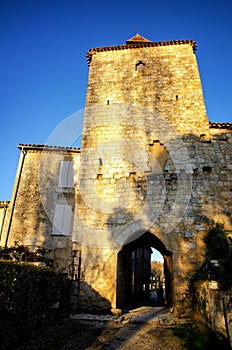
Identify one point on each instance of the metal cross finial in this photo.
(136, 28)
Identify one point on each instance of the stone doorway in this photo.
(134, 273)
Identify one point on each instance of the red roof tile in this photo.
(134, 45)
(215, 125)
(137, 39)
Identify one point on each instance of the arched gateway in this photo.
(134, 273)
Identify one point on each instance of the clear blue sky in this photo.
(43, 71)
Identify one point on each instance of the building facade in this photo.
(152, 172)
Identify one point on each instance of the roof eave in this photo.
(135, 45)
(41, 147)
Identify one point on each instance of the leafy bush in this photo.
(218, 247)
(22, 253)
(217, 243)
(197, 336)
(27, 294)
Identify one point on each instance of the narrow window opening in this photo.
(206, 169)
(140, 66)
(108, 102)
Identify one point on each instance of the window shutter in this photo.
(70, 179)
(58, 219)
(63, 173)
(67, 220)
(62, 219)
(66, 175)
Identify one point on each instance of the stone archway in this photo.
(126, 294)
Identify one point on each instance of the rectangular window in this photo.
(66, 175)
(62, 220)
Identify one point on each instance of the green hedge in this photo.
(27, 296)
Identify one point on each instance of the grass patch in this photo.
(197, 336)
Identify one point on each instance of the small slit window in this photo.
(140, 66)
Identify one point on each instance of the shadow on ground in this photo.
(138, 329)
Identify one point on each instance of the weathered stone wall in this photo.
(169, 84)
(30, 216)
(149, 160)
(211, 202)
(214, 306)
(98, 280)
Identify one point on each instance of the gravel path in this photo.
(144, 328)
(132, 337)
(138, 329)
(71, 334)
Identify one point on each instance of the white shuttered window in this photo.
(66, 175)
(62, 220)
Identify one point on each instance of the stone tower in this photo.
(143, 99)
(152, 173)
(161, 76)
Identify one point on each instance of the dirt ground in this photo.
(73, 335)
(134, 336)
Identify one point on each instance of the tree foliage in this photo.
(219, 250)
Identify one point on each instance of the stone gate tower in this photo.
(152, 172)
(144, 100)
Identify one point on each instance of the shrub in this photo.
(27, 294)
(22, 253)
(218, 247)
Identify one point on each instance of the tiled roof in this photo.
(4, 204)
(215, 125)
(134, 45)
(46, 147)
(137, 39)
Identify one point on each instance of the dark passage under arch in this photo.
(133, 271)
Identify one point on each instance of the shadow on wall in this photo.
(210, 202)
(205, 206)
(91, 301)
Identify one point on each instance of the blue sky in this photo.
(43, 69)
